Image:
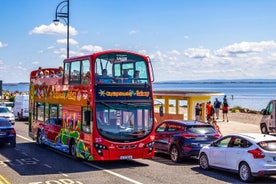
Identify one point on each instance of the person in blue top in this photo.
(217, 105)
(104, 78)
(125, 78)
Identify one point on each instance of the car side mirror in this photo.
(263, 111)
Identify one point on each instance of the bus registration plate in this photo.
(128, 157)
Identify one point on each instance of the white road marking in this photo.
(27, 139)
(95, 166)
(113, 173)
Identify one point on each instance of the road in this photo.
(30, 164)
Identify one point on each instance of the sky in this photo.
(185, 39)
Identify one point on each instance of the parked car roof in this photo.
(186, 122)
(255, 137)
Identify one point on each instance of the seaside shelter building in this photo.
(180, 105)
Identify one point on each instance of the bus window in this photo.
(40, 111)
(75, 72)
(85, 72)
(66, 73)
(86, 120)
(103, 71)
(53, 115)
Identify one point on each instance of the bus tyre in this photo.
(73, 149)
(39, 138)
(264, 129)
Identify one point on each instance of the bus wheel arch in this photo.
(39, 140)
(73, 148)
(264, 129)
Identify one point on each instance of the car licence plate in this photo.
(2, 133)
(128, 157)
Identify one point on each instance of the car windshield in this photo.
(268, 145)
(201, 130)
(4, 123)
(4, 110)
(124, 121)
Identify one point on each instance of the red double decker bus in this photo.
(100, 108)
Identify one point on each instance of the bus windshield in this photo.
(118, 68)
(124, 122)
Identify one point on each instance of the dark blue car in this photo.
(182, 139)
(7, 133)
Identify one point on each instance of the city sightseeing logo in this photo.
(130, 93)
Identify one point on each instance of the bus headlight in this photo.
(150, 146)
(100, 148)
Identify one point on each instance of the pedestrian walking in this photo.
(225, 108)
(217, 105)
(198, 112)
(210, 110)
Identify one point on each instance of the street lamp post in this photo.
(62, 11)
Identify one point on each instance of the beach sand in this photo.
(247, 118)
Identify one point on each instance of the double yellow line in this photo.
(3, 180)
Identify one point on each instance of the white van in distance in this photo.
(21, 107)
(268, 122)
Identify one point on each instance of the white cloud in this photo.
(53, 29)
(3, 44)
(197, 53)
(91, 48)
(237, 49)
(133, 32)
(64, 41)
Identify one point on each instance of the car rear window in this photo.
(201, 130)
(268, 145)
(4, 123)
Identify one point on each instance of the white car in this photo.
(248, 154)
(6, 113)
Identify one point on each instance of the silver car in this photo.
(248, 154)
(6, 113)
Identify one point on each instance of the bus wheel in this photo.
(39, 139)
(73, 149)
(264, 129)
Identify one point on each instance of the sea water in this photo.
(246, 94)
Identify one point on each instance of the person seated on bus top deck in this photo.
(125, 78)
(39, 72)
(60, 71)
(86, 78)
(136, 77)
(104, 78)
(46, 74)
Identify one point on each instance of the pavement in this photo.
(237, 127)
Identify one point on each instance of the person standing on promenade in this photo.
(209, 110)
(217, 105)
(225, 108)
(198, 112)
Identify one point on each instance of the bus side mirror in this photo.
(87, 116)
(161, 111)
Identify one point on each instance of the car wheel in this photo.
(174, 153)
(39, 140)
(73, 149)
(203, 161)
(13, 144)
(264, 129)
(245, 172)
